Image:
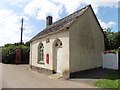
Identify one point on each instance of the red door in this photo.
(18, 56)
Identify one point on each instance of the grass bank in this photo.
(109, 81)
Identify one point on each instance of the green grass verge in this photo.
(110, 81)
(106, 83)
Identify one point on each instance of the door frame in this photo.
(55, 53)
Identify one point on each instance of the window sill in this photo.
(40, 62)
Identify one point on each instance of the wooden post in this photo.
(21, 40)
(21, 32)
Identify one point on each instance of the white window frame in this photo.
(41, 53)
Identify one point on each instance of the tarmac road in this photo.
(18, 76)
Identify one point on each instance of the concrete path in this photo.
(18, 76)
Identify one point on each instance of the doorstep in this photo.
(56, 76)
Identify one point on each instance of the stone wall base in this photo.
(41, 70)
(48, 72)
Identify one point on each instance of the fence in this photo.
(110, 60)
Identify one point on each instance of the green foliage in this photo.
(9, 51)
(111, 81)
(27, 44)
(106, 83)
(112, 39)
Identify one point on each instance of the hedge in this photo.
(9, 52)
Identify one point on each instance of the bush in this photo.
(9, 53)
(25, 54)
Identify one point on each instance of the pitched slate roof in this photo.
(61, 24)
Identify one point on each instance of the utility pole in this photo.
(18, 59)
(19, 51)
(21, 32)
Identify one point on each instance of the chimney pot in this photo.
(48, 21)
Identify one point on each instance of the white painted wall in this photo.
(48, 49)
(110, 61)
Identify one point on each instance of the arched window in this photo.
(58, 43)
(41, 53)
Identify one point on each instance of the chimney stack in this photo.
(48, 21)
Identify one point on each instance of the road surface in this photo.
(18, 76)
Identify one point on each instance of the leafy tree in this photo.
(27, 44)
(112, 39)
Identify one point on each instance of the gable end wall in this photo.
(86, 43)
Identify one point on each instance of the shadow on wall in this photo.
(97, 73)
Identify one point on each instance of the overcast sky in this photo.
(34, 13)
